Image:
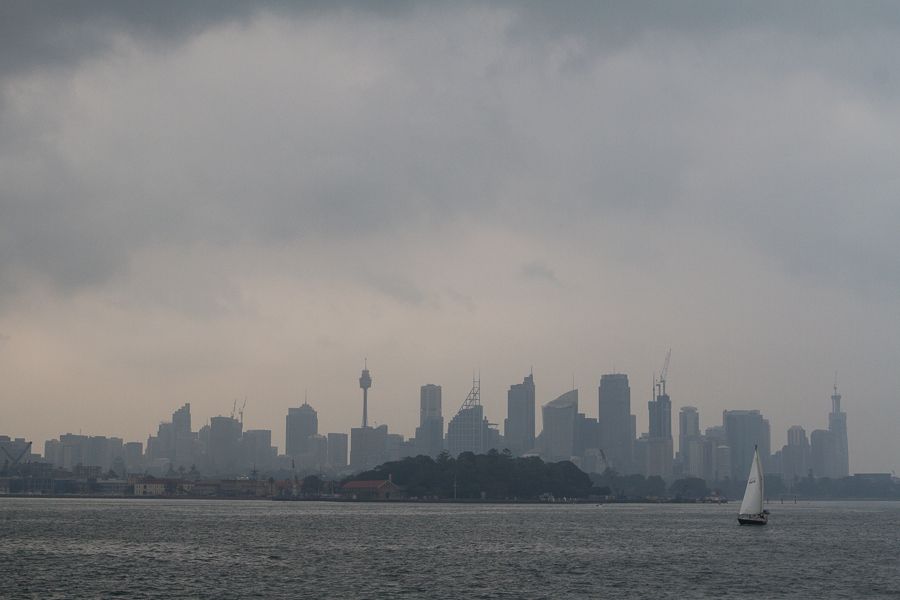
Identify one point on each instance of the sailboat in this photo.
(752, 512)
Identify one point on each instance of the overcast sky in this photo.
(206, 202)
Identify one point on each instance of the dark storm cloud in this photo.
(446, 138)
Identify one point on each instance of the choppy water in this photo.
(70, 548)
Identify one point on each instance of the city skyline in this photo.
(567, 434)
(245, 201)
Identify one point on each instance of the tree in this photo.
(689, 488)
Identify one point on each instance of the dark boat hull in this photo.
(753, 519)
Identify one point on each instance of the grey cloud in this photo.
(582, 112)
(540, 272)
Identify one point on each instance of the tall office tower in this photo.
(659, 439)
(429, 402)
(558, 436)
(587, 442)
(467, 430)
(688, 427)
(518, 428)
(795, 458)
(337, 450)
(181, 419)
(745, 429)
(430, 432)
(365, 382)
(223, 450)
(617, 428)
(823, 450)
(837, 425)
(300, 424)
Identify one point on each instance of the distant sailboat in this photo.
(752, 512)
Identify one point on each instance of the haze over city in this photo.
(247, 202)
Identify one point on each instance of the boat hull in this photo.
(753, 519)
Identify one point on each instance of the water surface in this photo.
(73, 548)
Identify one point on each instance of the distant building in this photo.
(659, 439)
(795, 456)
(384, 489)
(301, 424)
(519, 428)
(368, 447)
(837, 425)
(257, 450)
(823, 446)
(337, 451)
(744, 430)
(174, 443)
(430, 432)
(224, 449)
(690, 442)
(468, 430)
(559, 433)
(617, 430)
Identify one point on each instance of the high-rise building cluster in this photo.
(610, 441)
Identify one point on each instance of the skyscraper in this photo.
(558, 436)
(223, 450)
(745, 429)
(300, 424)
(688, 427)
(519, 425)
(659, 439)
(430, 432)
(181, 419)
(837, 425)
(823, 453)
(795, 456)
(468, 429)
(616, 421)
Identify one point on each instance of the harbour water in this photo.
(91, 548)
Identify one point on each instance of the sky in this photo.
(212, 202)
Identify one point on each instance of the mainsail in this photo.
(753, 495)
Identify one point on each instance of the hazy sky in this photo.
(206, 202)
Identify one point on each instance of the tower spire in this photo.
(365, 382)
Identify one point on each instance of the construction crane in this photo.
(241, 412)
(661, 381)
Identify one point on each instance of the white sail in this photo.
(753, 495)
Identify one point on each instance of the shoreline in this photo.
(405, 501)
